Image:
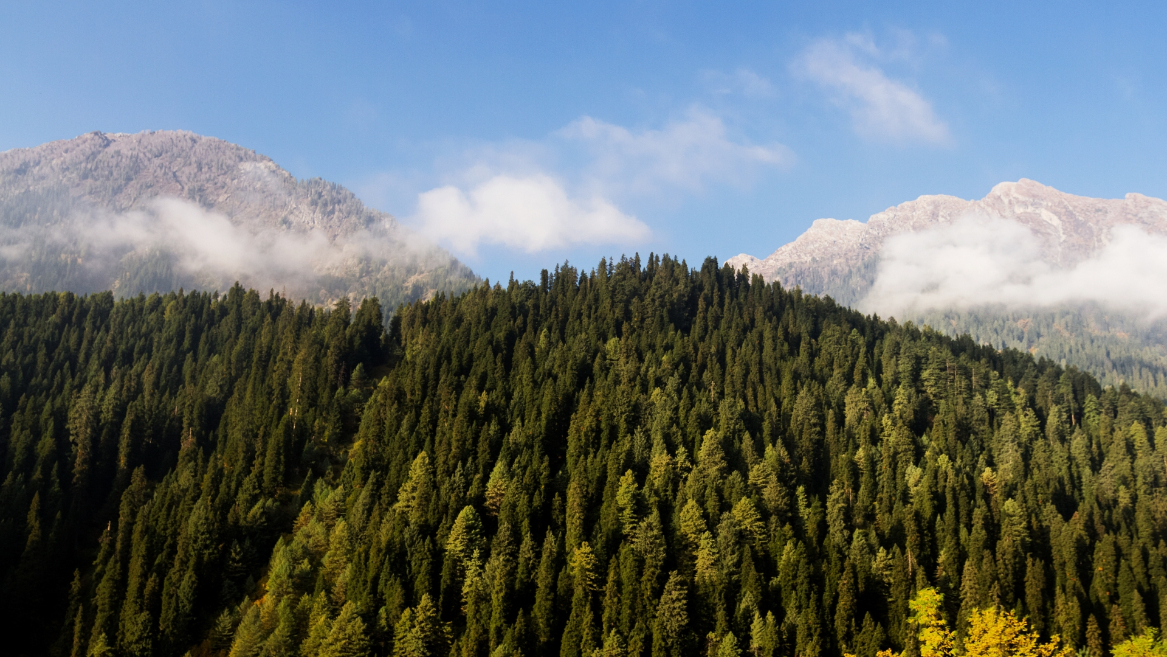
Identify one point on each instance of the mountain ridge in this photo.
(316, 233)
(1069, 227)
(82, 164)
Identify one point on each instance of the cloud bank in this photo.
(190, 246)
(208, 246)
(981, 261)
(531, 213)
(882, 109)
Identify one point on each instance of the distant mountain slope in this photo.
(842, 259)
(837, 257)
(163, 210)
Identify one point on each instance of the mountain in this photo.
(843, 259)
(638, 460)
(156, 211)
(838, 257)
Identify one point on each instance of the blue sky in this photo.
(524, 134)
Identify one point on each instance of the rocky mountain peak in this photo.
(123, 172)
(1070, 229)
(166, 209)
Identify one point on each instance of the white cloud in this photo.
(507, 195)
(684, 154)
(977, 261)
(531, 213)
(882, 109)
(207, 250)
(209, 246)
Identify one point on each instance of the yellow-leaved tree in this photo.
(1147, 644)
(936, 640)
(991, 633)
(995, 633)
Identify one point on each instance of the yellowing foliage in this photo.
(1147, 644)
(936, 640)
(991, 633)
(994, 633)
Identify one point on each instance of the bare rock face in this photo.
(161, 210)
(838, 257)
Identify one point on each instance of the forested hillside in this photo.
(1115, 347)
(642, 459)
(130, 505)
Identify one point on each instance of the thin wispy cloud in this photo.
(520, 196)
(988, 261)
(687, 154)
(882, 108)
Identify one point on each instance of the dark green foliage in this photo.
(639, 460)
(1115, 347)
(154, 445)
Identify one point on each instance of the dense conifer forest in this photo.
(641, 459)
(1115, 347)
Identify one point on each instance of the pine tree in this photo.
(580, 635)
(465, 537)
(544, 608)
(420, 633)
(348, 636)
(671, 624)
(249, 636)
(417, 493)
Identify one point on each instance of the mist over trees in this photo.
(641, 459)
(169, 210)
